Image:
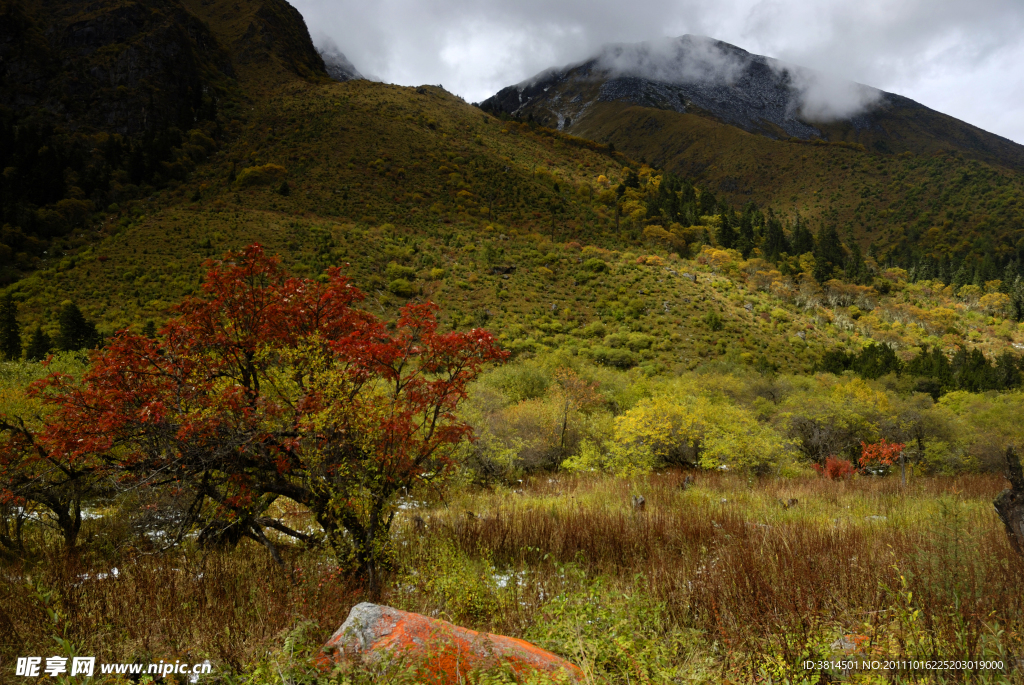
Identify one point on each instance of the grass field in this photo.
(718, 582)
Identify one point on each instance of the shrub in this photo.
(615, 340)
(639, 341)
(713, 320)
(623, 359)
(650, 260)
(400, 287)
(259, 175)
(595, 265)
(395, 271)
(835, 468)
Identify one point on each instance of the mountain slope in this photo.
(755, 93)
(741, 126)
(102, 102)
(418, 195)
(553, 241)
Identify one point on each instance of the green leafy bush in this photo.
(401, 287)
(608, 356)
(713, 320)
(395, 271)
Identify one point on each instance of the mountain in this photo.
(903, 181)
(338, 66)
(699, 75)
(554, 241)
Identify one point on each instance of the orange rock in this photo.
(445, 652)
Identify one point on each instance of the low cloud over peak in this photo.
(818, 96)
(959, 58)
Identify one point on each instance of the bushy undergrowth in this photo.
(715, 582)
(559, 410)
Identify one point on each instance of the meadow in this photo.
(728, 579)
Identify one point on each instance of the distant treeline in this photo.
(967, 370)
(678, 201)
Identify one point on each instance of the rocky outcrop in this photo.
(442, 650)
(277, 31)
(691, 73)
(338, 66)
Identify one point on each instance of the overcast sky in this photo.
(961, 57)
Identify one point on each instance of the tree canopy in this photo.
(265, 386)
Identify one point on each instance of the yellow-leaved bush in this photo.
(670, 429)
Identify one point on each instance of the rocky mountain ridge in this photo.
(337, 65)
(710, 78)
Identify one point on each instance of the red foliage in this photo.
(835, 468)
(882, 453)
(268, 385)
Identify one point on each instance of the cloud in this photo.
(825, 97)
(688, 59)
(959, 57)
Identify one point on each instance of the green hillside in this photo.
(902, 207)
(422, 196)
(554, 241)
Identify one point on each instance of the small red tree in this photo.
(881, 453)
(270, 386)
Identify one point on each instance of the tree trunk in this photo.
(1010, 502)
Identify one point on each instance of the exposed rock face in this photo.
(277, 31)
(693, 73)
(337, 65)
(698, 75)
(447, 651)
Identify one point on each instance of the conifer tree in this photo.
(775, 242)
(39, 345)
(828, 253)
(745, 241)
(75, 332)
(802, 240)
(856, 270)
(726, 234)
(10, 329)
(706, 203)
(961, 276)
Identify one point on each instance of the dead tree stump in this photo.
(1010, 502)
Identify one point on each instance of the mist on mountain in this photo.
(698, 60)
(336, 63)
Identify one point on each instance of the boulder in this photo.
(446, 652)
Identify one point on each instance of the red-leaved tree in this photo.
(269, 386)
(881, 453)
